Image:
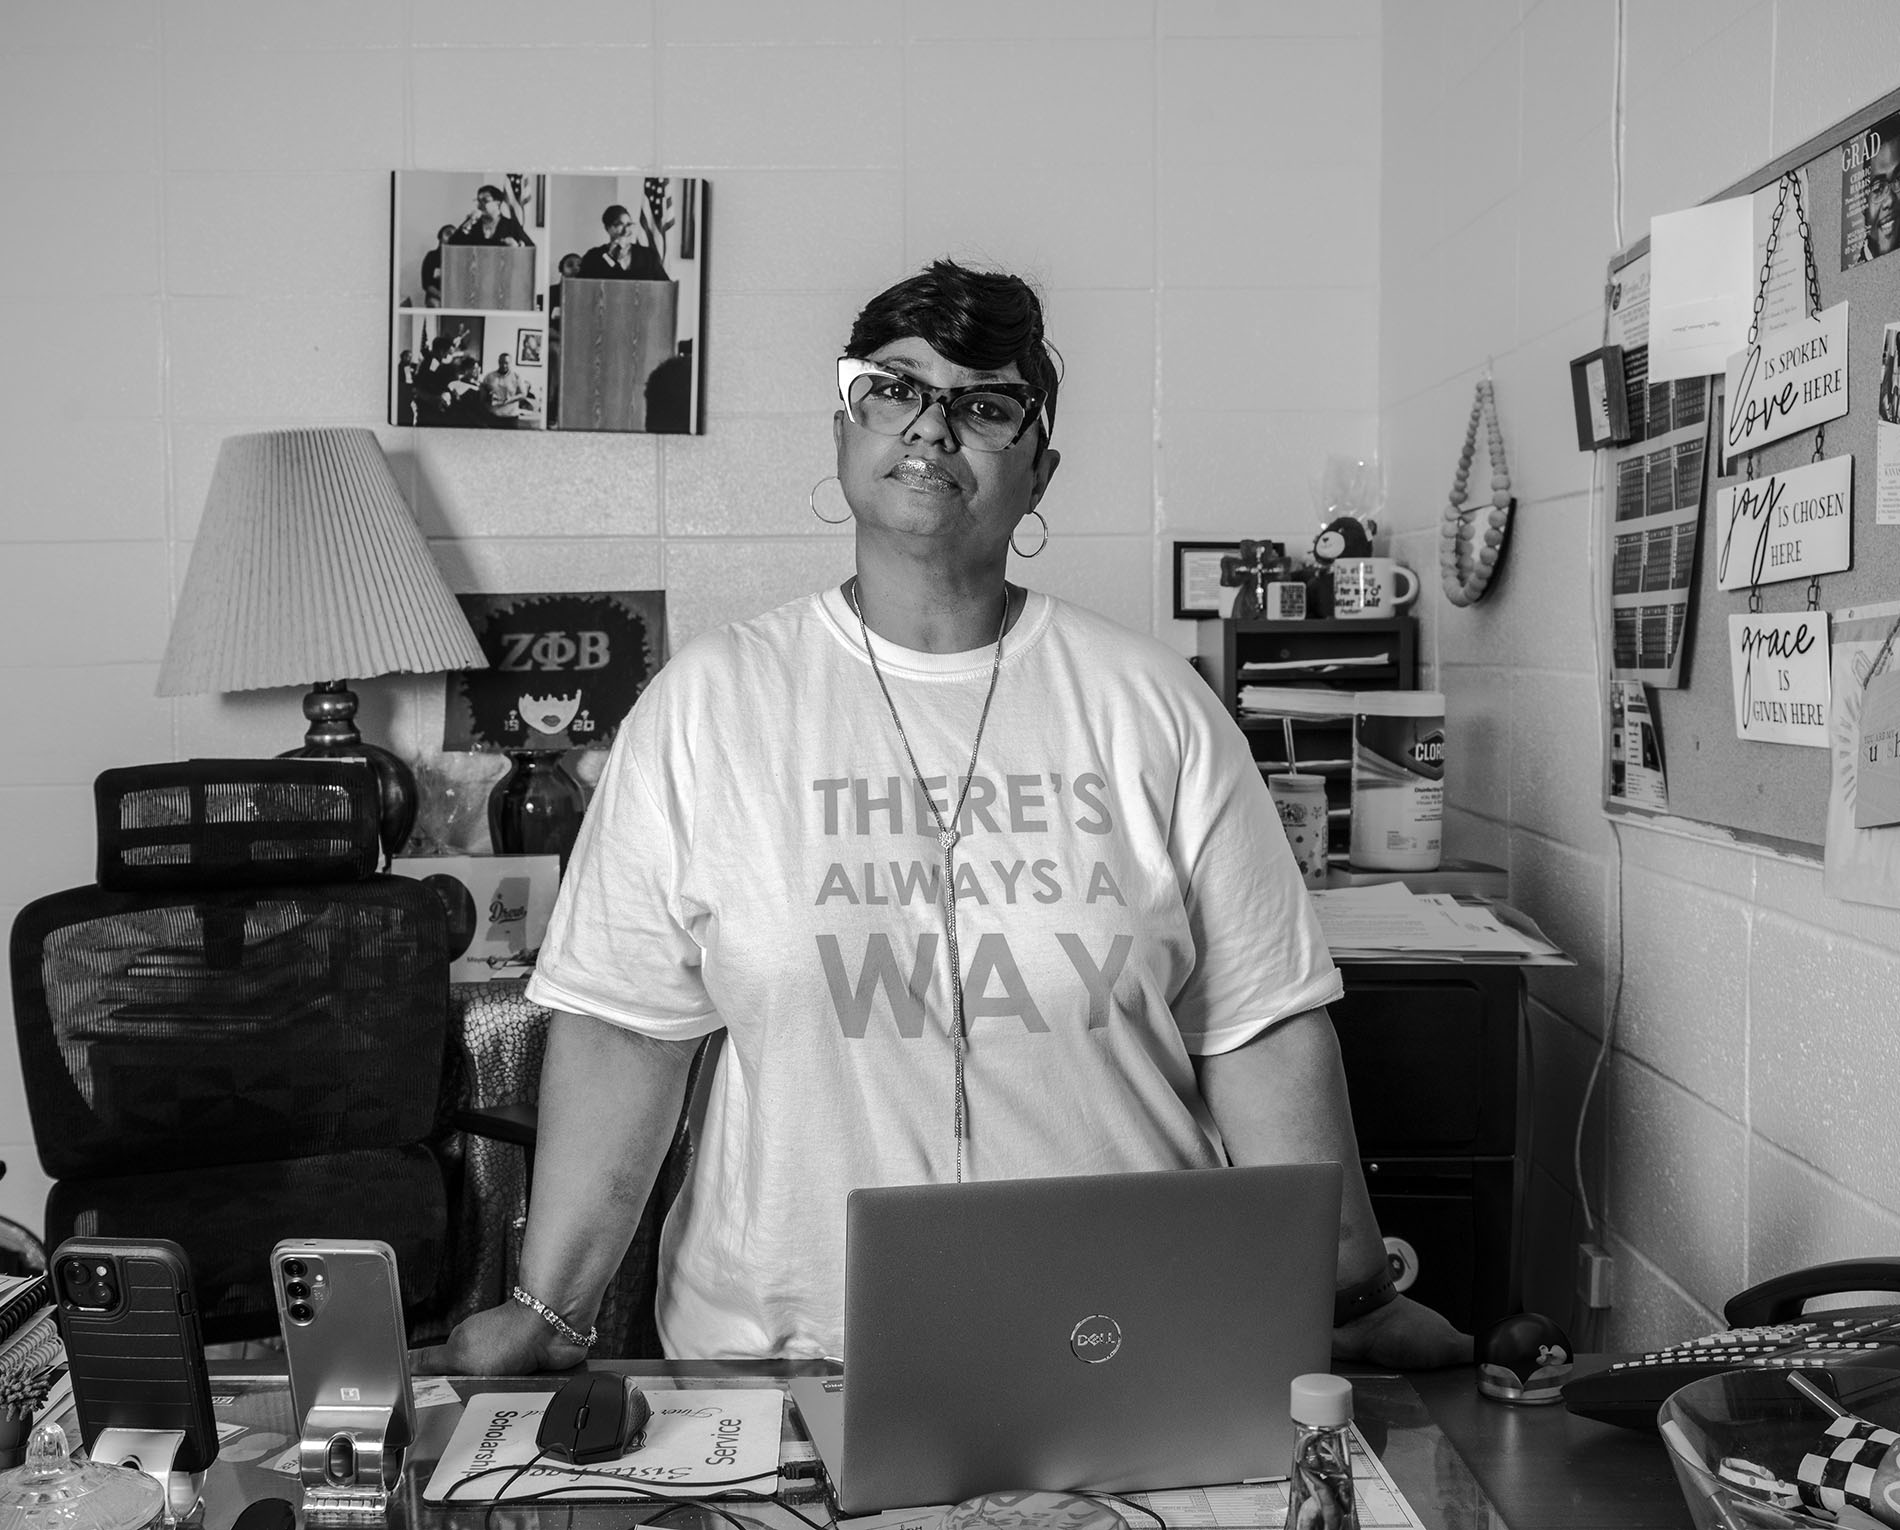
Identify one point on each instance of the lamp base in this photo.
(331, 709)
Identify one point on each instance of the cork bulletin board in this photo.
(1774, 793)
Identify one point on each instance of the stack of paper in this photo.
(1293, 701)
(1269, 669)
(1389, 922)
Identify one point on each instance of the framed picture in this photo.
(497, 907)
(1197, 578)
(592, 285)
(563, 669)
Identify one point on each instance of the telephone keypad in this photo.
(1629, 1391)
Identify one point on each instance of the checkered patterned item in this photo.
(1842, 1472)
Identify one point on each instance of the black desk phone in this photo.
(1767, 1330)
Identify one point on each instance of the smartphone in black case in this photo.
(133, 1348)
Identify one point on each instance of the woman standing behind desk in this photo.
(1129, 963)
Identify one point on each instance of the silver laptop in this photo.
(1117, 1332)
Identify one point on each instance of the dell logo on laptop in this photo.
(1096, 1339)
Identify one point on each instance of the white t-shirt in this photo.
(757, 858)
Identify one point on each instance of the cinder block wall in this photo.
(1744, 1121)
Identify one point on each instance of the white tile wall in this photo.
(1732, 1136)
(204, 184)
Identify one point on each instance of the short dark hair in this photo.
(613, 215)
(495, 193)
(983, 319)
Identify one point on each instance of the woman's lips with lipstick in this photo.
(914, 473)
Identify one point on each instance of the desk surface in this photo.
(1461, 1460)
(1546, 1468)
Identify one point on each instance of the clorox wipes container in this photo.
(1398, 780)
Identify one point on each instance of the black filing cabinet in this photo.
(1432, 1061)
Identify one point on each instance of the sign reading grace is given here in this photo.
(1797, 380)
(1779, 665)
(1789, 525)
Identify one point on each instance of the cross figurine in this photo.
(1250, 569)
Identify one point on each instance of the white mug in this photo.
(1364, 586)
(1286, 600)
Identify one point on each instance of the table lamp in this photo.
(310, 570)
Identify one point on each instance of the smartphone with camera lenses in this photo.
(133, 1348)
(339, 1306)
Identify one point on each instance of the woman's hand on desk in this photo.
(1403, 1335)
(508, 1340)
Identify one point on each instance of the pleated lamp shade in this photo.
(308, 567)
(310, 570)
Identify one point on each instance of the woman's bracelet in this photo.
(558, 1323)
(1364, 1296)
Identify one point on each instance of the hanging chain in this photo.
(1793, 178)
(1790, 186)
(1768, 264)
(1754, 335)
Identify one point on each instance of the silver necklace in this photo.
(947, 836)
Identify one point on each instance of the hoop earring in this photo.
(1039, 546)
(828, 478)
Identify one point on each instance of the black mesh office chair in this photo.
(224, 1057)
(220, 1051)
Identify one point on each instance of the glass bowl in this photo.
(1737, 1440)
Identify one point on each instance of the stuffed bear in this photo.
(1346, 537)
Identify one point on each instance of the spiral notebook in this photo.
(29, 1334)
(21, 1296)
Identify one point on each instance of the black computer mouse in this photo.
(596, 1416)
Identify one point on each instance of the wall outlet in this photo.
(1596, 1276)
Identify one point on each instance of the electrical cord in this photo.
(1127, 1503)
(1591, 1322)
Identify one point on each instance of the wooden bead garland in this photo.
(1469, 548)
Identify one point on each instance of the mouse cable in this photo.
(741, 1521)
(623, 1482)
(519, 1471)
(737, 1521)
(1125, 1503)
(831, 1521)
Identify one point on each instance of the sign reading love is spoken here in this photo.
(1780, 669)
(1795, 381)
(1786, 526)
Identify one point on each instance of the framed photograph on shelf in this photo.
(497, 907)
(1197, 578)
(528, 348)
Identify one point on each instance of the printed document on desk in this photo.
(1389, 922)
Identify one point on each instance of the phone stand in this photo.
(348, 1460)
(152, 1451)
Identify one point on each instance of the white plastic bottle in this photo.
(1398, 780)
(1319, 1482)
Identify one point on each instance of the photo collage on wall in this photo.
(527, 301)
